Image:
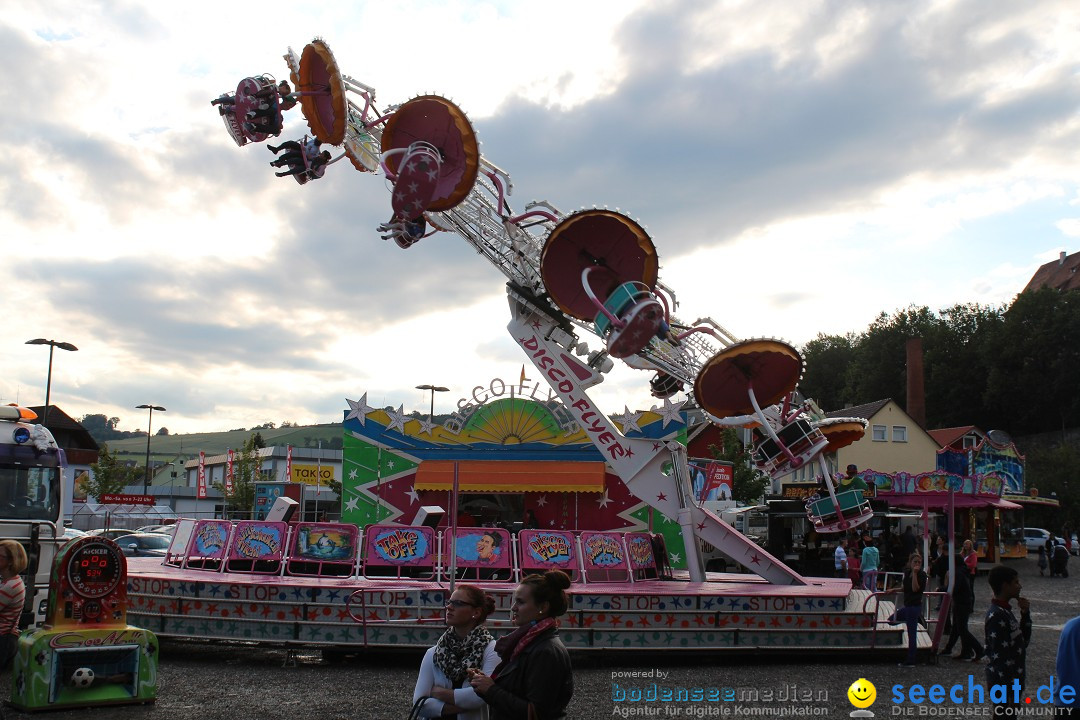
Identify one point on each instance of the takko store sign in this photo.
(498, 388)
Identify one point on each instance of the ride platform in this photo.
(728, 612)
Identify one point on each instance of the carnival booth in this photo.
(86, 654)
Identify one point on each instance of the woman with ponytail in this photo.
(533, 678)
(444, 672)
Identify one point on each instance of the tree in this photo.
(1033, 384)
(1052, 471)
(163, 431)
(748, 484)
(241, 501)
(103, 429)
(109, 474)
(827, 360)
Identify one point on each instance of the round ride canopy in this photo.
(614, 245)
(443, 125)
(770, 367)
(326, 108)
(841, 432)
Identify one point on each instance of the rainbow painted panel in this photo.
(209, 539)
(603, 551)
(482, 547)
(639, 548)
(390, 545)
(254, 540)
(545, 549)
(325, 542)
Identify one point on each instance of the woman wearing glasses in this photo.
(465, 644)
(12, 597)
(534, 678)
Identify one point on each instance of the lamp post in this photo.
(434, 389)
(48, 383)
(149, 427)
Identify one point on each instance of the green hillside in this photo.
(168, 447)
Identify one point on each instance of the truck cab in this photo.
(31, 474)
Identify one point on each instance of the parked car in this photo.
(166, 529)
(112, 533)
(72, 534)
(1035, 538)
(144, 544)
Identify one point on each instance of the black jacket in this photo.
(540, 675)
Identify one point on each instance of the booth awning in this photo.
(941, 501)
(511, 476)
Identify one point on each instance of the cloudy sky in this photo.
(800, 171)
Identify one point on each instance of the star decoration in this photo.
(629, 420)
(661, 497)
(670, 412)
(676, 558)
(413, 495)
(541, 501)
(351, 504)
(535, 323)
(701, 525)
(426, 426)
(358, 409)
(352, 474)
(604, 500)
(397, 419)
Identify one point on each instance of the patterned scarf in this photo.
(510, 646)
(454, 654)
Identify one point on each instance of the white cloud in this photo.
(800, 170)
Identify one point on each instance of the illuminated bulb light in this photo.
(14, 412)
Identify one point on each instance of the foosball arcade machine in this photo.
(86, 654)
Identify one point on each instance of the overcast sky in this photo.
(801, 167)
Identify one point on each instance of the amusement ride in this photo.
(590, 272)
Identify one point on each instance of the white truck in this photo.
(31, 476)
(748, 520)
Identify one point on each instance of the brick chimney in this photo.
(916, 391)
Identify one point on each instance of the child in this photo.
(1006, 638)
(853, 572)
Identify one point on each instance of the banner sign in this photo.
(393, 545)
(712, 479)
(229, 474)
(312, 474)
(201, 491)
(325, 542)
(482, 547)
(117, 499)
(288, 462)
(547, 549)
(255, 540)
(602, 551)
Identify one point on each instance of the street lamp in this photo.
(434, 389)
(149, 427)
(48, 384)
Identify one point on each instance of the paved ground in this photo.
(205, 680)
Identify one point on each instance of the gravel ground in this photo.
(214, 680)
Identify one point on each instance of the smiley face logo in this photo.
(862, 693)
